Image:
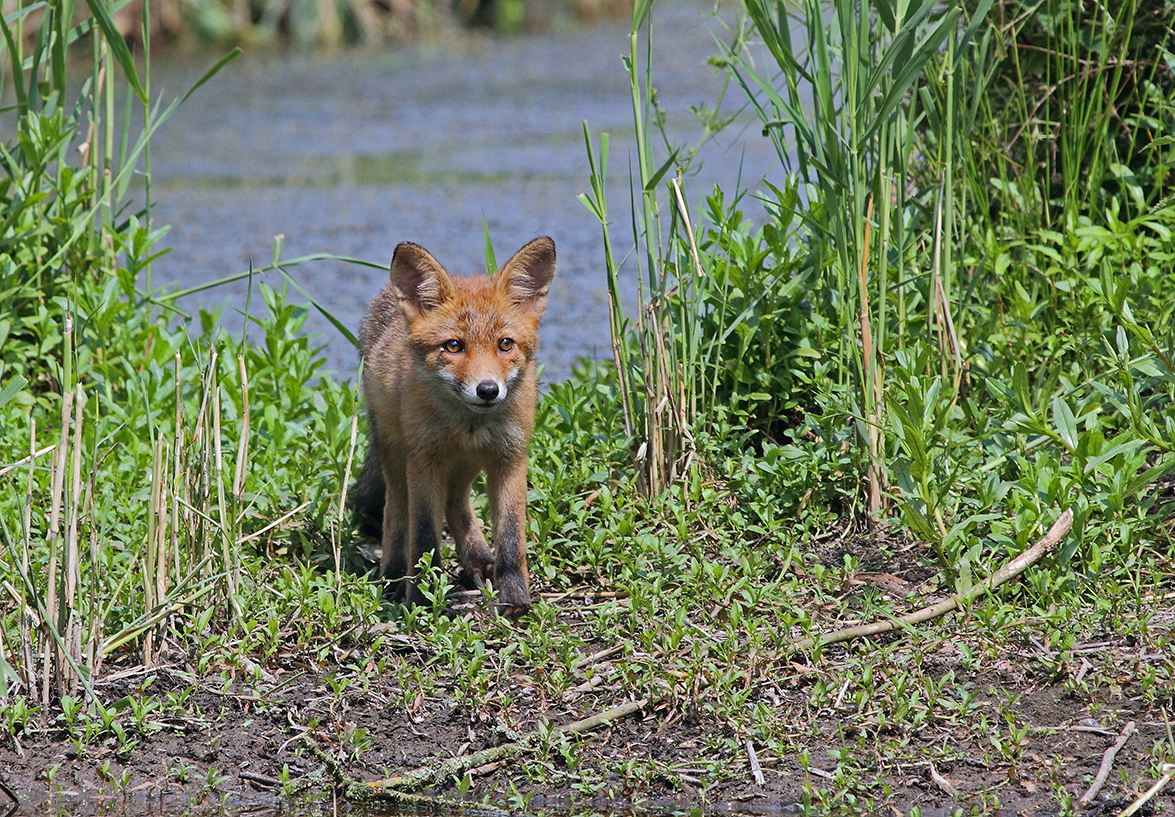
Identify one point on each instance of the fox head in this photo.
(477, 336)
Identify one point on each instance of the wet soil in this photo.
(241, 741)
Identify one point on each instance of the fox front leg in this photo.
(507, 492)
(393, 563)
(425, 504)
(477, 562)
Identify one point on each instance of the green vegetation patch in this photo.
(867, 404)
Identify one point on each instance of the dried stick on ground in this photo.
(395, 789)
(1103, 772)
(1005, 574)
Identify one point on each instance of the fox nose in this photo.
(487, 390)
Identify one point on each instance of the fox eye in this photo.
(453, 346)
(506, 344)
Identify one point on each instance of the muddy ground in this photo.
(244, 746)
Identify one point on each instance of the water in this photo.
(354, 153)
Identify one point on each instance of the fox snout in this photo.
(485, 392)
(483, 395)
(488, 390)
(480, 392)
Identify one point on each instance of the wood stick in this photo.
(355, 792)
(399, 789)
(1103, 772)
(1005, 574)
(28, 459)
(11, 795)
(427, 776)
(756, 769)
(599, 656)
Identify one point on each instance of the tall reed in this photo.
(188, 551)
(848, 101)
(658, 352)
(1077, 114)
(65, 233)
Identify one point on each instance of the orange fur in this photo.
(449, 378)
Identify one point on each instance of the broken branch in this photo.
(1005, 574)
(1103, 772)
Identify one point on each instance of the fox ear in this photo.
(421, 283)
(526, 278)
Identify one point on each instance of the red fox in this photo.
(449, 379)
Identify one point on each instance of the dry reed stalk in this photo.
(72, 634)
(162, 533)
(872, 401)
(32, 456)
(940, 309)
(239, 472)
(57, 480)
(151, 550)
(28, 670)
(226, 543)
(93, 656)
(343, 498)
(178, 483)
(218, 464)
(203, 445)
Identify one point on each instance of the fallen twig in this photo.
(358, 792)
(600, 656)
(947, 786)
(398, 789)
(1103, 772)
(261, 780)
(1005, 574)
(756, 769)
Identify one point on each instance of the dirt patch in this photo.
(239, 745)
(965, 713)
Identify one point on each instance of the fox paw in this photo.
(513, 612)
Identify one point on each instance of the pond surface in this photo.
(351, 154)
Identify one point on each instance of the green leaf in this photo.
(640, 10)
(491, 262)
(591, 205)
(652, 183)
(17, 83)
(1148, 477)
(343, 330)
(1065, 422)
(12, 388)
(1020, 388)
(211, 72)
(118, 45)
(907, 72)
(977, 19)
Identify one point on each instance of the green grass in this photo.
(800, 409)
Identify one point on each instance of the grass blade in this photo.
(12, 388)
